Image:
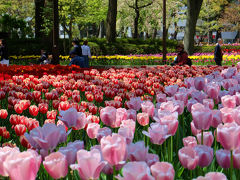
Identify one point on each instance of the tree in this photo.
(230, 17)
(39, 21)
(137, 6)
(111, 20)
(193, 10)
(210, 14)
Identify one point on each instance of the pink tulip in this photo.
(205, 155)
(161, 97)
(108, 116)
(171, 122)
(135, 103)
(131, 114)
(102, 132)
(27, 162)
(4, 153)
(163, 171)
(171, 90)
(188, 157)
(127, 133)
(189, 141)
(223, 158)
(217, 118)
(168, 106)
(229, 135)
(227, 115)
(121, 115)
(199, 83)
(143, 119)
(197, 107)
(137, 151)
(70, 153)
(236, 158)
(236, 115)
(56, 165)
(182, 97)
(151, 159)
(92, 130)
(157, 133)
(215, 176)
(148, 107)
(237, 97)
(202, 118)
(212, 91)
(199, 96)
(228, 101)
(209, 103)
(179, 105)
(89, 164)
(190, 103)
(114, 149)
(72, 118)
(77, 145)
(129, 124)
(136, 171)
(207, 138)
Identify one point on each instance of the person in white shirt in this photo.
(86, 53)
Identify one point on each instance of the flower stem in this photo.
(202, 137)
(231, 167)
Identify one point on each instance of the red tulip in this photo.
(33, 110)
(3, 113)
(20, 129)
(43, 108)
(18, 108)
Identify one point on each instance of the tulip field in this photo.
(146, 123)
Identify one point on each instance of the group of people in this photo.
(80, 54)
(182, 55)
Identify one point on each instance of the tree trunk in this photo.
(111, 20)
(55, 33)
(39, 21)
(210, 38)
(193, 10)
(154, 35)
(135, 35)
(175, 31)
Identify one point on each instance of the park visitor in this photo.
(4, 52)
(218, 56)
(182, 57)
(86, 53)
(43, 57)
(76, 47)
(76, 60)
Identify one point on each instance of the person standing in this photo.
(218, 56)
(86, 52)
(4, 52)
(76, 48)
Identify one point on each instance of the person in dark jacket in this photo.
(76, 48)
(218, 56)
(4, 52)
(182, 57)
(43, 57)
(77, 60)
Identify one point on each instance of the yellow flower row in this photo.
(233, 57)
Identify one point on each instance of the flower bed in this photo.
(135, 123)
(229, 58)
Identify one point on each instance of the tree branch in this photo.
(146, 5)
